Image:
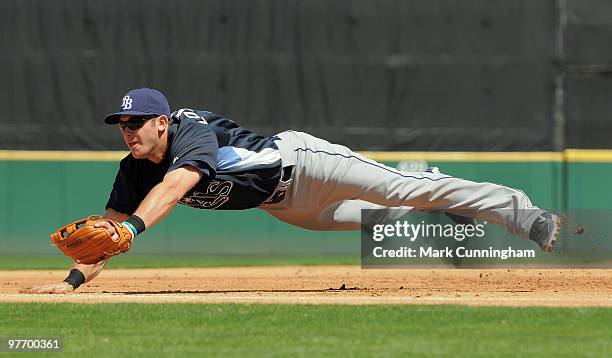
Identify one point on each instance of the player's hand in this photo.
(110, 229)
(59, 287)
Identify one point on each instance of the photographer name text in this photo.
(429, 252)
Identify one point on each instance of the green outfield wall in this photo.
(41, 191)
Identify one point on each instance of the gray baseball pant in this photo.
(330, 185)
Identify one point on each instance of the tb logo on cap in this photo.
(126, 103)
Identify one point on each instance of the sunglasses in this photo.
(135, 123)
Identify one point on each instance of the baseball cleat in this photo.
(545, 231)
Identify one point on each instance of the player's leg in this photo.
(341, 215)
(327, 173)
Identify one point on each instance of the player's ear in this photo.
(162, 122)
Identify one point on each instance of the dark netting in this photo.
(589, 32)
(589, 111)
(377, 75)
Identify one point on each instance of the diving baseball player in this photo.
(206, 161)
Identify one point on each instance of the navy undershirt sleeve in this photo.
(124, 197)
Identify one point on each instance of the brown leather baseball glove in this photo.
(87, 244)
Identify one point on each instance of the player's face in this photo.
(141, 135)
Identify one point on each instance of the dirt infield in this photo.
(327, 284)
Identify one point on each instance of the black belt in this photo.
(281, 188)
(286, 173)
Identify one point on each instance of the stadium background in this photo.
(514, 86)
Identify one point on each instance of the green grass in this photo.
(131, 261)
(312, 330)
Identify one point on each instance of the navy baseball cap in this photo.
(141, 102)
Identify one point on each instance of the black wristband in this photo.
(137, 222)
(75, 278)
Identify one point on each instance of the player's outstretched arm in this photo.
(165, 195)
(78, 272)
(162, 198)
(88, 272)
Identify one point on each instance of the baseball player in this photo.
(206, 161)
